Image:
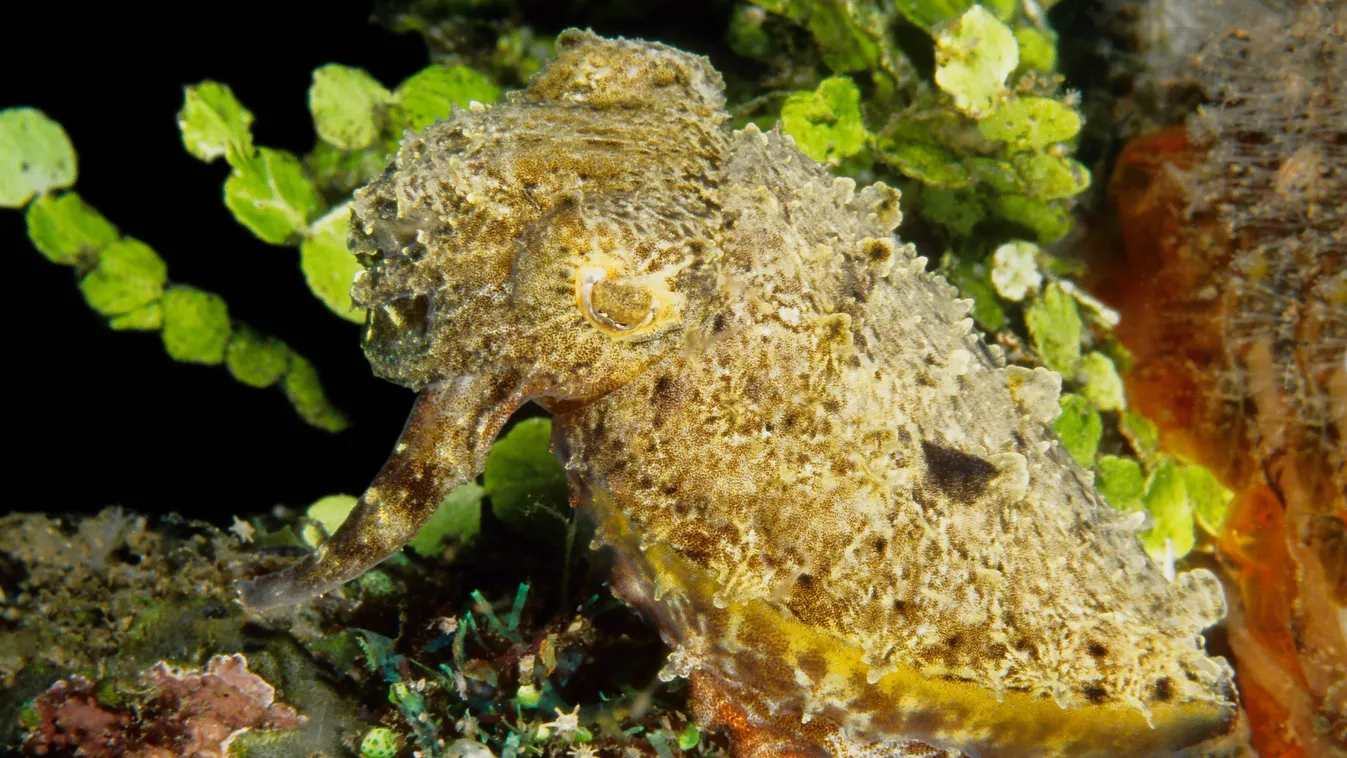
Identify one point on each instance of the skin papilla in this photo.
(850, 519)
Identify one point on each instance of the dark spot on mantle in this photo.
(962, 477)
(1164, 689)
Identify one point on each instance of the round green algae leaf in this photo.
(1079, 427)
(329, 512)
(688, 738)
(826, 123)
(328, 266)
(129, 275)
(196, 325)
(63, 227)
(1031, 122)
(306, 394)
(36, 156)
(528, 696)
(1102, 384)
(428, 95)
(973, 56)
(524, 479)
(458, 519)
(1121, 481)
(379, 742)
(1055, 329)
(214, 124)
(1038, 48)
(256, 359)
(1171, 509)
(271, 196)
(346, 104)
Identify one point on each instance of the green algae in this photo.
(306, 394)
(128, 275)
(36, 156)
(826, 123)
(65, 229)
(974, 54)
(431, 93)
(328, 267)
(196, 325)
(270, 194)
(256, 359)
(1080, 428)
(214, 124)
(457, 521)
(126, 281)
(1056, 329)
(345, 103)
(523, 478)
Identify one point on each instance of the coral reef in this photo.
(1235, 229)
(194, 714)
(437, 651)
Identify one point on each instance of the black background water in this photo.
(93, 417)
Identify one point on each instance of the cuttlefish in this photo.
(847, 515)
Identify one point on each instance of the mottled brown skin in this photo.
(851, 521)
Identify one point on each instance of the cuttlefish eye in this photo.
(620, 307)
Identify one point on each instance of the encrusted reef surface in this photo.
(851, 520)
(120, 638)
(1235, 308)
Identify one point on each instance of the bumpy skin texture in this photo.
(851, 521)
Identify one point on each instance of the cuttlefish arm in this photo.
(444, 444)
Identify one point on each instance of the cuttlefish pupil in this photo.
(613, 305)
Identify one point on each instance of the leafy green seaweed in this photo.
(35, 156)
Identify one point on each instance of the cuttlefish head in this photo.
(507, 262)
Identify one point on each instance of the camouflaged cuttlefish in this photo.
(850, 519)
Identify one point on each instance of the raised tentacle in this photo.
(444, 443)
